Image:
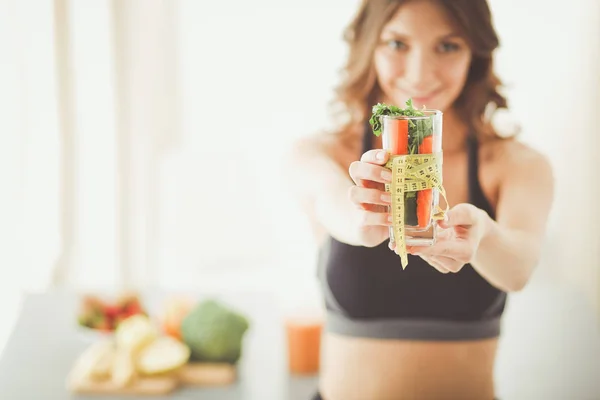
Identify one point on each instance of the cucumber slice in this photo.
(135, 332)
(123, 371)
(96, 361)
(163, 355)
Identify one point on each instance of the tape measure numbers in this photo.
(412, 173)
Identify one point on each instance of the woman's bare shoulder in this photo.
(315, 142)
(508, 156)
(331, 144)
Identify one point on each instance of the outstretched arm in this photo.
(504, 251)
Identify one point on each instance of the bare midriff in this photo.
(374, 369)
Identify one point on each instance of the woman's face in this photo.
(422, 56)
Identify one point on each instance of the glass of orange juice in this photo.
(303, 334)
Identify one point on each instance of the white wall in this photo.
(254, 76)
(29, 159)
(550, 59)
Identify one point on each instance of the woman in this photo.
(429, 331)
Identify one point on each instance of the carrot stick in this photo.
(398, 145)
(424, 197)
(398, 136)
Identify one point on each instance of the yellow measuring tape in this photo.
(411, 173)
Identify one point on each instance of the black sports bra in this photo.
(368, 294)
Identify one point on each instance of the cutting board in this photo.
(207, 374)
(191, 374)
(154, 386)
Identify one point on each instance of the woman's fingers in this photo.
(459, 250)
(361, 195)
(460, 215)
(442, 263)
(448, 263)
(374, 208)
(361, 171)
(449, 255)
(435, 263)
(379, 157)
(369, 218)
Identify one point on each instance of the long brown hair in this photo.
(359, 89)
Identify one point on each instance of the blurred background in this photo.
(141, 144)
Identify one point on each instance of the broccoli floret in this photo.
(214, 332)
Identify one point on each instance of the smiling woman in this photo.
(386, 325)
(459, 36)
(421, 78)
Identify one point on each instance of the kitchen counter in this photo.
(46, 341)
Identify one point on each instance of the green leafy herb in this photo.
(381, 109)
(417, 129)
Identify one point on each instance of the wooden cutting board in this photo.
(154, 386)
(207, 374)
(191, 374)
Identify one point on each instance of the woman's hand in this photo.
(371, 219)
(457, 242)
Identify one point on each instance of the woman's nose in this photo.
(419, 70)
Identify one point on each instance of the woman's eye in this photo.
(396, 45)
(448, 47)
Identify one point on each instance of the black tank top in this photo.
(367, 293)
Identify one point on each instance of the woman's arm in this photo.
(510, 246)
(323, 187)
(319, 185)
(504, 251)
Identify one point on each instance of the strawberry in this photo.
(111, 311)
(133, 309)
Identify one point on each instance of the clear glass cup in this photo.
(303, 333)
(416, 135)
